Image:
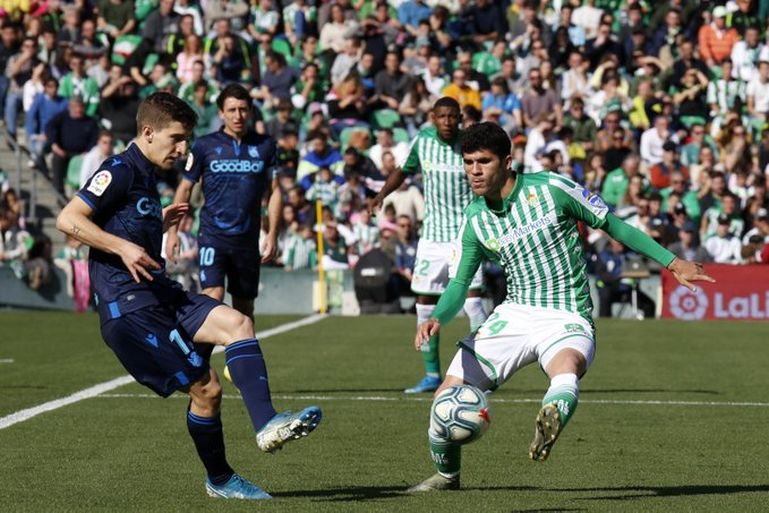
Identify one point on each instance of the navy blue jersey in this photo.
(235, 177)
(124, 198)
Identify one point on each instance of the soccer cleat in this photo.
(428, 384)
(237, 487)
(287, 426)
(546, 430)
(436, 483)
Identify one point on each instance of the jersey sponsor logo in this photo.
(688, 305)
(493, 245)
(148, 207)
(236, 166)
(527, 229)
(100, 182)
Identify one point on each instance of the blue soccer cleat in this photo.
(237, 487)
(287, 426)
(428, 384)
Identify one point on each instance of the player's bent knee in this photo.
(567, 360)
(242, 327)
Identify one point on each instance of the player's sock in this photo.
(430, 355)
(564, 393)
(249, 373)
(447, 457)
(207, 434)
(476, 312)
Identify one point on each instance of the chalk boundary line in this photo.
(428, 398)
(101, 388)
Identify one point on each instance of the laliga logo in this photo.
(688, 305)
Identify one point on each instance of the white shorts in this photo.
(436, 263)
(515, 336)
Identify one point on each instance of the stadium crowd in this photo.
(659, 107)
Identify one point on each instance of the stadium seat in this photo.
(386, 118)
(401, 135)
(344, 136)
(73, 172)
(282, 47)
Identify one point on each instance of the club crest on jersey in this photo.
(532, 199)
(253, 152)
(493, 245)
(100, 182)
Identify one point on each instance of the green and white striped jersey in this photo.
(534, 238)
(446, 189)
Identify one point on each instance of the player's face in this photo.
(485, 172)
(446, 121)
(168, 145)
(234, 115)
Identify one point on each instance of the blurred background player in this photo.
(161, 334)
(527, 223)
(237, 168)
(435, 152)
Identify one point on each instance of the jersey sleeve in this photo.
(271, 165)
(453, 298)
(411, 166)
(193, 168)
(107, 187)
(579, 202)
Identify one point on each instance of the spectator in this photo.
(612, 287)
(760, 227)
(77, 83)
(461, 91)
(18, 70)
(723, 246)
(334, 33)
(653, 139)
(71, 132)
(119, 104)
(501, 106)
(715, 39)
(277, 81)
(116, 17)
(44, 107)
(616, 182)
(391, 84)
(386, 143)
(366, 232)
(538, 100)
(334, 248)
(687, 247)
(300, 251)
(661, 172)
(324, 188)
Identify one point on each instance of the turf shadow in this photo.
(342, 390)
(612, 391)
(645, 492)
(347, 494)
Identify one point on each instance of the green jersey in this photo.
(534, 238)
(446, 189)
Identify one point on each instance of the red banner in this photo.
(741, 292)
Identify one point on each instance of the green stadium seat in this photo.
(401, 135)
(386, 118)
(73, 171)
(282, 47)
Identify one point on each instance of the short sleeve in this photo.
(411, 165)
(107, 187)
(193, 168)
(579, 202)
(271, 165)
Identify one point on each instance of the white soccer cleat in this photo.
(287, 426)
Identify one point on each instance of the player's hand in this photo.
(424, 331)
(686, 272)
(137, 261)
(270, 249)
(174, 213)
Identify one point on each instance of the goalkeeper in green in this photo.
(528, 224)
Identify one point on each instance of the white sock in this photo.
(475, 312)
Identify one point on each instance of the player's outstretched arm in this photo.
(75, 220)
(274, 211)
(182, 196)
(683, 270)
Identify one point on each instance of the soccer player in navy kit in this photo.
(162, 335)
(236, 166)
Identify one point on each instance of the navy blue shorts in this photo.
(239, 264)
(154, 342)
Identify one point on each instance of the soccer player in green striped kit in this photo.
(435, 152)
(528, 224)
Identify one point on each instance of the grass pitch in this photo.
(672, 418)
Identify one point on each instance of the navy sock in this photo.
(249, 373)
(207, 434)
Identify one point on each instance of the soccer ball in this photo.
(460, 414)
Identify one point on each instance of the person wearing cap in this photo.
(723, 246)
(687, 247)
(679, 185)
(659, 174)
(715, 39)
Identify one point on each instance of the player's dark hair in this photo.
(236, 91)
(161, 109)
(446, 101)
(486, 136)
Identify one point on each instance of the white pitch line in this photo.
(377, 398)
(101, 388)
(6, 360)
